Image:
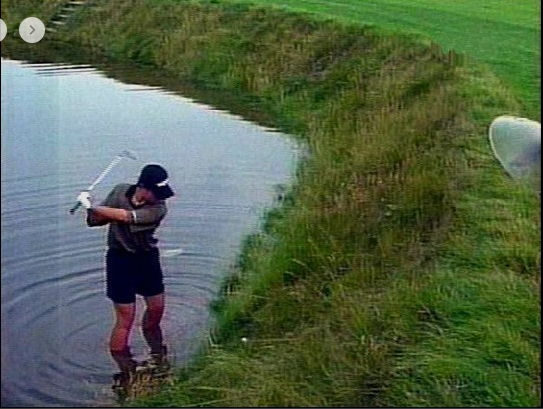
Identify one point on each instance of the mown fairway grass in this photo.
(506, 35)
(403, 268)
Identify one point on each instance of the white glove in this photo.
(85, 199)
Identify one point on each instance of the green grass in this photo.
(15, 11)
(403, 268)
(503, 34)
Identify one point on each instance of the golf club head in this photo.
(516, 143)
(128, 154)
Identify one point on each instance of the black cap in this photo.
(155, 179)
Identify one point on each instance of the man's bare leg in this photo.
(152, 317)
(120, 333)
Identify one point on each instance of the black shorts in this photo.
(128, 274)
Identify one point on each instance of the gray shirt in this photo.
(139, 233)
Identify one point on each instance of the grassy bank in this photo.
(504, 35)
(403, 269)
(13, 12)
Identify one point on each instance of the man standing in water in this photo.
(133, 213)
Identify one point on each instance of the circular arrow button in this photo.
(32, 29)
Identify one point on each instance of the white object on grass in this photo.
(516, 143)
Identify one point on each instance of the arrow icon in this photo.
(31, 29)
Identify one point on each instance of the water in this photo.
(61, 125)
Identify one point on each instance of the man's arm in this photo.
(142, 217)
(101, 215)
(106, 213)
(95, 220)
(96, 216)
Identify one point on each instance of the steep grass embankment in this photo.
(403, 269)
(15, 11)
(504, 35)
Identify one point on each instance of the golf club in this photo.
(101, 176)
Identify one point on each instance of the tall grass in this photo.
(506, 35)
(403, 267)
(15, 11)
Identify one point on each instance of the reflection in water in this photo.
(63, 69)
(139, 78)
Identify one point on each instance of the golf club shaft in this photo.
(100, 177)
